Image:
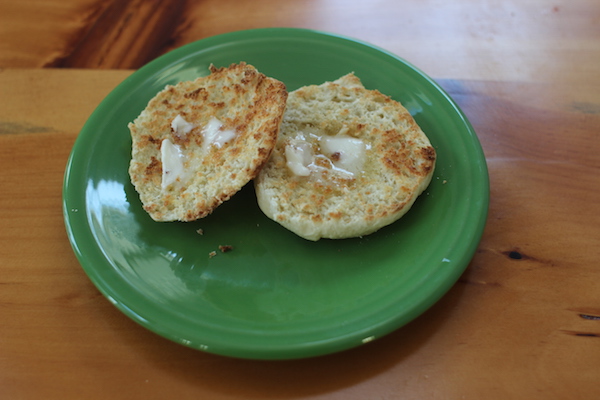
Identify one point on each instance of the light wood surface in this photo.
(523, 321)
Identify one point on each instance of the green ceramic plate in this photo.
(275, 296)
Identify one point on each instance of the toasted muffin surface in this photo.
(198, 142)
(348, 162)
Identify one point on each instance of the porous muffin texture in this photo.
(214, 133)
(308, 189)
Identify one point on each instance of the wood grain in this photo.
(507, 40)
(522, 322)
(125, 34)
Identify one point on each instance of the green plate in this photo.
(275, 296)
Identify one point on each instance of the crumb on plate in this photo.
(225, 248)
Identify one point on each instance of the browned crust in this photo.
(399, 148)
(259, 103)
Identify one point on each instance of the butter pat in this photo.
(180, 126)
(346, 153)
(215, 135)
(299, 156)
(172, 163)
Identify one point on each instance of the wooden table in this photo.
(523, 321)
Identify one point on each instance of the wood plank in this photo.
(34, 33)
(52, 100)
(127, 34)
(495, 40)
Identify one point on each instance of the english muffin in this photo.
(348, 162)
(199, 142)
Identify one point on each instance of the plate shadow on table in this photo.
(289, 378)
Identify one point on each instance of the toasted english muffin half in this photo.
(348, 162)
(199, 142)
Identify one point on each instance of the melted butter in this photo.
(215, 135)
(322, 165)
(180, 126)
(346, 153)
(342, 155)
(172, 163)
(299, 156)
